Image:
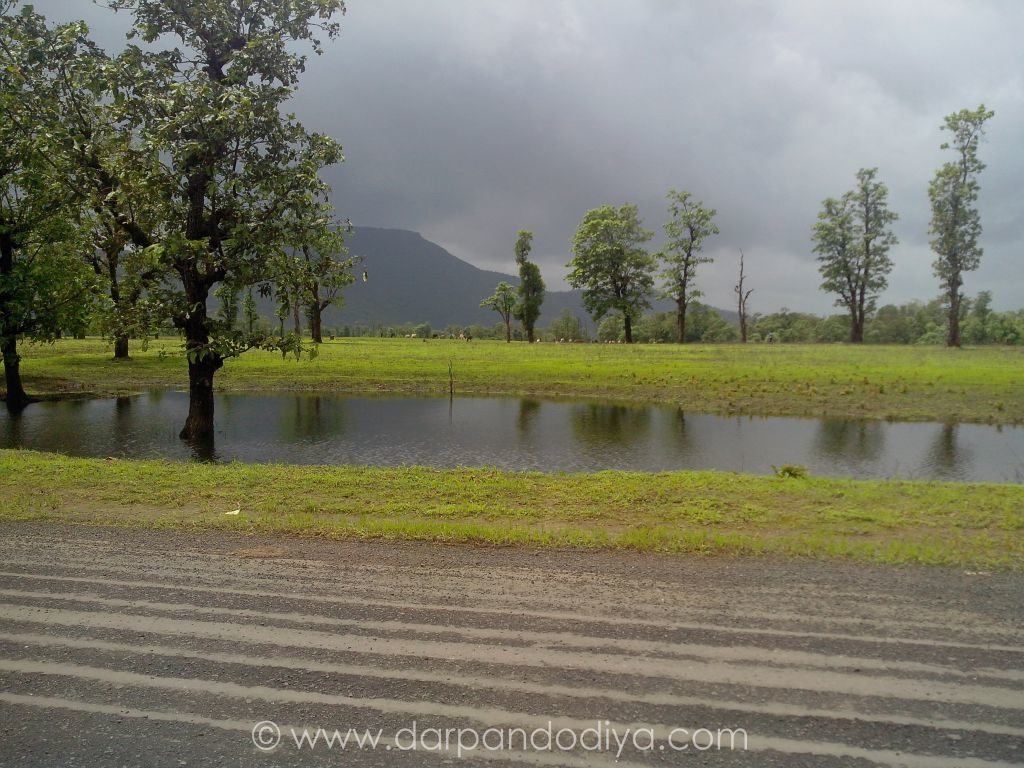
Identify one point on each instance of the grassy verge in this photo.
(913, 383)
(967, 525)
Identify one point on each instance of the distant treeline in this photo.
(915, 322)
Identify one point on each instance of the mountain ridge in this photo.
(414, 280)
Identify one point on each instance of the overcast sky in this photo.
(469, 120)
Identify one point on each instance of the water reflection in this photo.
(513, 434)
(529, 411)
(603, 425)
(844, 438)
(203, 451)
(946, 455)
(681, 437)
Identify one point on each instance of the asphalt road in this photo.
(129, 648)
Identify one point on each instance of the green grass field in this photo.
(913, 383)
(964, 525)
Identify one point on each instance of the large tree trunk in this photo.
(680, 322)
(508, 332)
(199, 424)
(121, 337)
(16, 396)
(953, 339)
(203, 364)
(316, 322)
(121, 346)
(529, 333)
(627, 323)
(856, 329)
(316, 309)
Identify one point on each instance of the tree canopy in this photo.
(231, 180)
(956, 221)
(531, 285)
(503, 301)
(611, 265)
(852, 239)
(44, 284)
(687, 229)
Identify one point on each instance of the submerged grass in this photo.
(966, 525)
(912, 383)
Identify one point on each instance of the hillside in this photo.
(413, 280)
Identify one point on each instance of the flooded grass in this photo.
(982, 385)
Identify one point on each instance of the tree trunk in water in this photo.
(203, 364)
(16, 396)
(199, 425)
(953, 340)
(627, 323)
(121, 346)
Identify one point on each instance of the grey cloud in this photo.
(469, 121)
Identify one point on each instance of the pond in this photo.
(511, 433)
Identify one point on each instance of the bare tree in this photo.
(742, 295)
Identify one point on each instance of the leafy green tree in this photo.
(706, 324)
(566, 326)
(250, 313)
(531, 285)
(852, 239)
(44, 283)
(612, 328)
(126, 272)
(326, 276)
(656, 327)
(228, 295)
(691, 224)
(503, 301)
(611, 266)
(74, 102)
(229, 172)
(315, 265)
(956, 221)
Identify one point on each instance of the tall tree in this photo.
(44, 284)
(852, 238)
(742, 295)
(503, 301)
(222, 161)
(956, 221)
(531, 285)
(610, 264)
(687, 229)
(126, 272)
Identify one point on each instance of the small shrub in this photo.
(794, 471)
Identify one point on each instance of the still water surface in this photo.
(515, 434)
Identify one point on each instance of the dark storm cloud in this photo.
(470, 120)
